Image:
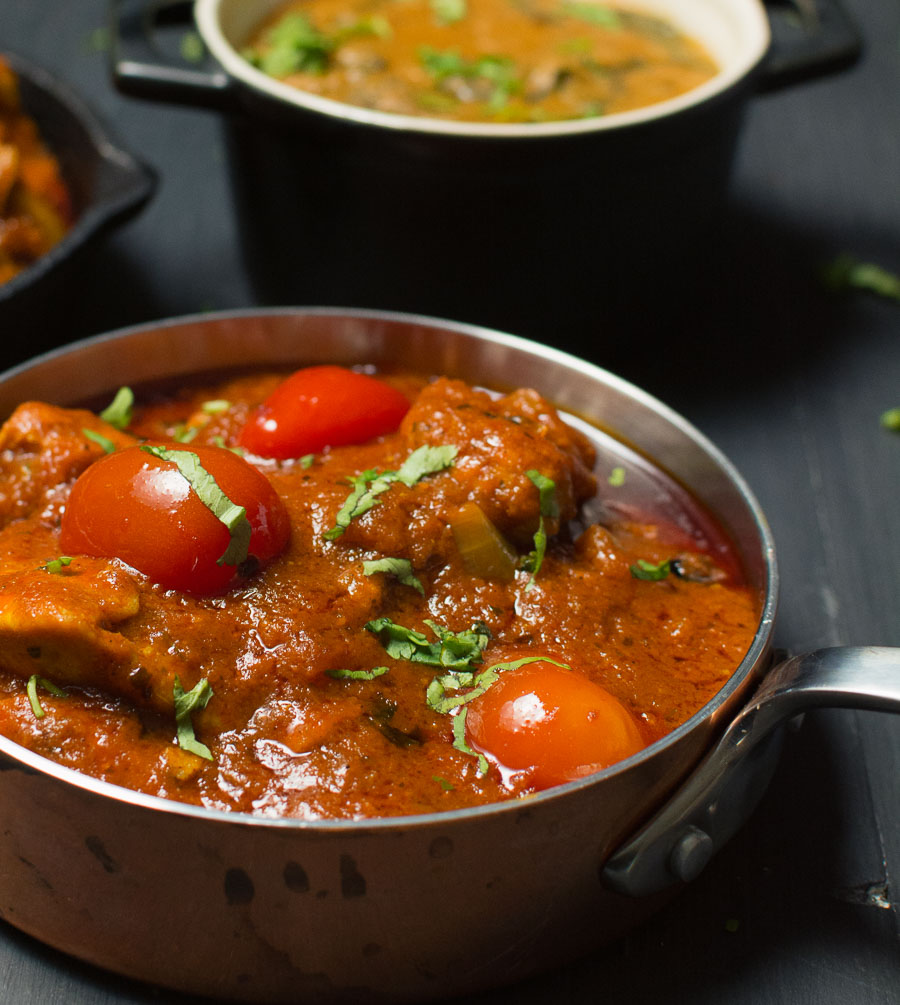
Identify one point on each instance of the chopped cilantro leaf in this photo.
(295, 46)
(191, 47)
(498, 71)
(56, 565)
(101, 441)
(213, 498)
(362, 498)
(216, 406)
(648, 570)
(461, 744)
(399, 568)
(371, 483)
(547, 489)
(120, 410)
(186, 703)
(548, 508)
(448, 11)
(184, 433)
(357, 674)
(616, 477)
(593, 13)
(399, 643)
(424, 461)
(891, 419)
(473, 685)
(375, 25)
(441, 63)
(33, 683)
(478, 683)
(848, 273)
(97, 40)
(456, 650)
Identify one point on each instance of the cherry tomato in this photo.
(552, 722)
(136, 507)
(322, 406)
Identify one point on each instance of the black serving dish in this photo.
(108, 185)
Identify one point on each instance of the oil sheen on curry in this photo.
(340, 594)
(479, 60)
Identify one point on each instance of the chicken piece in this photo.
(64, 627)
(498, 441)
(43, 449)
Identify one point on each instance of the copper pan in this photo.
(408, 909)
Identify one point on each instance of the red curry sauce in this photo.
(285, 736)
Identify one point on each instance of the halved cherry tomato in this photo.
(554, 723)
(322, 406)
(136, 507)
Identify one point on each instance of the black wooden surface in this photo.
(787, 378)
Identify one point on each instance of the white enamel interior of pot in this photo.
(735, 33)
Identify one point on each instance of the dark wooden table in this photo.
(787, 378)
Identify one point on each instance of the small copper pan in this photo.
(422, 907)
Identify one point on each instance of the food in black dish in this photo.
(106, 185)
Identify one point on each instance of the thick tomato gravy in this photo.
(288, 731)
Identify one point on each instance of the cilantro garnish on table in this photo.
(891, 419)
(848, 273)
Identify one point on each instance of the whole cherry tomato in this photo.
(552, 722)
(139, 508)
(322, 406)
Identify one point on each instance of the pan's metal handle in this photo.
(675, 845)
(809, 38)
(141, 68)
